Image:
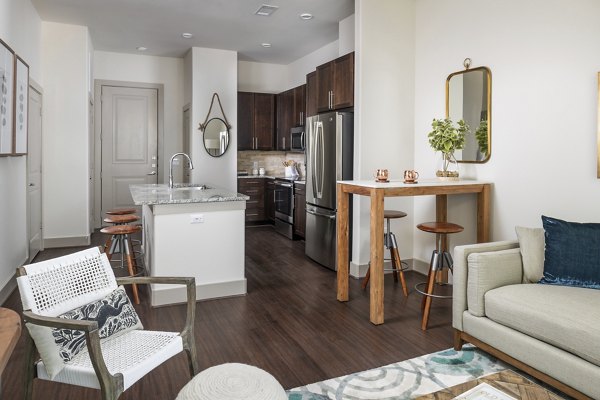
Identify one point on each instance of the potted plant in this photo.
(446, 138)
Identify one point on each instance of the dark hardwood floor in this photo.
(289, 324)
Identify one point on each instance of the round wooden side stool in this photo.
(440, 259)
(391, 244)
(120, 234)
(120, 219)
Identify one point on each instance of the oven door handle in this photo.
(320, 214)
(287, 185)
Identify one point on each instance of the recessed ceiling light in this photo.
(141, 48)
(306, 16)
(266, 45)
(187, 35)
(266, 10)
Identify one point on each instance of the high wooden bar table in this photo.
(377, 192)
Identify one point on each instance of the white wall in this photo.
(262, 77)
(544, 60)
(20, 28)
(298, 69)
(167, 71)
(65, 153)
(383, 107)
(346, 34)
(214, 71)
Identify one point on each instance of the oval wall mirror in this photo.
(469, 97)
(216, 137)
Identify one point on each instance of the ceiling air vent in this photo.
(266, 10)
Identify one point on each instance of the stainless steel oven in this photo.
(284, 208)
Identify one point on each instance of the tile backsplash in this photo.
(271, 161)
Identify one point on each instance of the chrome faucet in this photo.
(171, 167)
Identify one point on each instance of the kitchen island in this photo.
(193, 230)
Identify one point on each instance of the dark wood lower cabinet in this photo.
(270, 199)
(255, 206)
(299, 210)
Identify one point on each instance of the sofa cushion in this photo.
(531, 243)
(488, 271)
(563, 316)
(572, 251)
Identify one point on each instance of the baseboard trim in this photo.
(171, 294)
(358, 271)
(7, 290)
(71, 241)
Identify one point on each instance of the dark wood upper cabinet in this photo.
(264, 120)
(285, 116)
(324, 86)
(299, 105)
(311, 94)
(335, 84)
(245, 121)
(256, 121)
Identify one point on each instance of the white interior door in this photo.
(129, 142)
(34, 173)
(187, 172)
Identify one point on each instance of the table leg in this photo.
(376, 289)
(342, 243)
(441, 215)
(483, 215)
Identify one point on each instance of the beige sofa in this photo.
(550, 332)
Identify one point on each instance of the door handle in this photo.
(152, 173)
(319, 214)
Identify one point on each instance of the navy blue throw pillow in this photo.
(572, 256)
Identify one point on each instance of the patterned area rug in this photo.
(406, 379)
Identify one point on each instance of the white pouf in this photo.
(233, 382)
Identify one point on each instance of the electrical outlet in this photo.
(197, 219)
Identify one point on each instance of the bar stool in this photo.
(440, 259)
(391, 244)
(118, 219)
(121, 211)
(120, 234)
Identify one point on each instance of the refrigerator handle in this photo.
(322, 168)
(313, 156)
(319, 161)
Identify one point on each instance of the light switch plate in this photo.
(196, 218)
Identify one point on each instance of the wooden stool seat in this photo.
(393, 214)
(121, 211)
(121, 219)
(121, 229)
(391, 244)
(440, 227)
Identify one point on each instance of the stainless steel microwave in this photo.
(297, 139)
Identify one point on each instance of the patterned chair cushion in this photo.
(114, 313)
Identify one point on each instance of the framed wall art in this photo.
(7, 68)
(21, 112)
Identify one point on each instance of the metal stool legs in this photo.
(391, 244)
(440, 259)
(123, 245)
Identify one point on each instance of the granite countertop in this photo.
(297, 180)
(256, 176)
(181, 194)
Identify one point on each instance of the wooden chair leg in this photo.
(365, 281)
(107, 247)
(30, 370)
(395, 266)
(430, 284)
(130, 269)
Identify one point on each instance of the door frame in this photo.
(33, 85)
(98, 83)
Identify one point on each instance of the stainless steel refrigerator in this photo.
(329, 154)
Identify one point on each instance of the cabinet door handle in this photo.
(283, 143)
(330, 99)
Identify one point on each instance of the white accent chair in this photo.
(50, 288)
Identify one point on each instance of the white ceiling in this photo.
(123, 25)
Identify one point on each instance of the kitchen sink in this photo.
(190, 187)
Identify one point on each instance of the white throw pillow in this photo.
(532, 244)
(114, 313)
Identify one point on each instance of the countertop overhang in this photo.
(153, 194)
